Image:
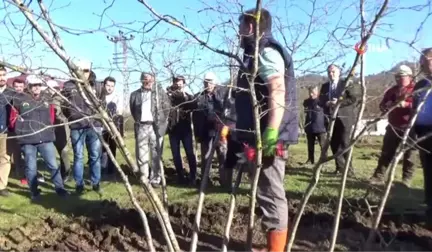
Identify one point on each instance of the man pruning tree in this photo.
(276, 94)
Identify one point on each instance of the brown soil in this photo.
(115, 229)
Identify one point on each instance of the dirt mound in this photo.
(114, 229)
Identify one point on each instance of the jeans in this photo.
(94, 148)
(48, 153)
(186, 138)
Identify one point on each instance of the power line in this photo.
(121, 59)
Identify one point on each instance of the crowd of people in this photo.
(39, 117)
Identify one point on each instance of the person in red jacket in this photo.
(32, 117)
(398, 120)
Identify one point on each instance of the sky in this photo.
(169, 49)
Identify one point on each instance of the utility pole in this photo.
(121, 58)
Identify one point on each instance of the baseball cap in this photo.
(33, 79)
(210, 76)
(52, 84)
(404, 70)
(84, 64)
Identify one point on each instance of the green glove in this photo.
(270, 139)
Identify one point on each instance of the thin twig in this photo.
(323, 159)
(337, 217)
(258, 161)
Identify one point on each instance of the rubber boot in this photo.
(276, 240)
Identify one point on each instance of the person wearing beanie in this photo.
(32, 118)
(398, 120)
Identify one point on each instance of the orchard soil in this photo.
(115, 229)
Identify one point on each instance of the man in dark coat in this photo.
(331, 92)
(314, 123)
(31, 117)
(82, 131)
(423, 126)
(207, 119)
(180, 128)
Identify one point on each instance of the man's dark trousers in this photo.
(311, 144)
(185, 137)
(426, 161)
(391, 141)
(339, 141)
(106, 162)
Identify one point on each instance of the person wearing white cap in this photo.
(207, 119)
(6, 95)
(62, 133)
(82, 131)
(398, 120)
(30, 117)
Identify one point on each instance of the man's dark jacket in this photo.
(314, 117)
(29, 116)
(208, 112)
(349, 105)
(5, 108)
(182, 105)
(289, 128)
(160, 115)
(71, 92)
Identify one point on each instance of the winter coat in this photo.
(31, 118)
(160, 114)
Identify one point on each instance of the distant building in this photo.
(378, 129)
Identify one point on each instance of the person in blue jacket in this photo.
(423, 126)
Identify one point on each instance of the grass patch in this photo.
(17, 209)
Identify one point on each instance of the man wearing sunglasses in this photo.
(84, 131)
